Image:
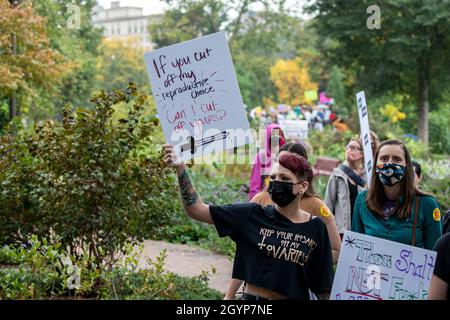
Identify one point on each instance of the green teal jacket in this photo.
(428, 229)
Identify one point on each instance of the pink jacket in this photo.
(263, 162)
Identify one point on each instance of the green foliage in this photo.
(256, 38)
(435, 171)
(46, 271)
(39, 271)
(436, 179)
(320, 185)
(388, 52)
(188, 19)
(328, 143)
(389, 59)
(440, 130)
(253, 74)
(417, 149)
(381, 124)
(79, 46)
(120, 62)
(217, 244)
(215, 187)
(4, 114)
(336, 87)
(155, 283)
(93, 181)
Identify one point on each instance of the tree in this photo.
(26, 58)
(256, 38)
(119, 63)
(78, 44)
(93, 182)
(291, 78)
(253, 74)
(408, 53)
(336, 86)
(187, 20)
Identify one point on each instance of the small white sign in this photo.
(365, 134)
(371, 268)
(294, 129)
(197, 95)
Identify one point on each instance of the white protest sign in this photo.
(294, 129)
(371, 268)
(365, 134)
(197, 95)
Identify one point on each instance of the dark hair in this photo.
(299, 149)
(417, 168)
(374, 141)
(297, 164)
(376, 197)
(295, 148)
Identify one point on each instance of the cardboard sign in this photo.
(311, 95)
(365, 134)
(324, 99)
(197, 96)
(371, 268)
(294, 129)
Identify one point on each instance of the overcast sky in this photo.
(157, 6)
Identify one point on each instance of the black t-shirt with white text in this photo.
(442, 266)
(274, 253)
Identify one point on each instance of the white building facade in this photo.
(124, 22)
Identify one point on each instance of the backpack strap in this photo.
(416, 214)
(358, 180)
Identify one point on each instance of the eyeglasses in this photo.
(353, 148)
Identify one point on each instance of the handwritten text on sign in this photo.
(371, 268)
(365, 133)
(197, 96)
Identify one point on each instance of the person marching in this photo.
(282, 251)
(439, 286)
(310, 203)
(394, 208)
(344, 184)
(259, 180)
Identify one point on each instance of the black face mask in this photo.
(281, 192)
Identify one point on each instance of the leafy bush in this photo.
(439, 130)
(320, 185)
(217, 244)
(156, 284)
(3, 114)
(436, 179)
(328, 143)
(93, 181)
(46, 271)
(40, 271)
(418, 150)
(216, 188)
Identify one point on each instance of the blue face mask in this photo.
(390, 173)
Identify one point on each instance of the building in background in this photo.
(124, 22)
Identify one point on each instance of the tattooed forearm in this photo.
(187, 190)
